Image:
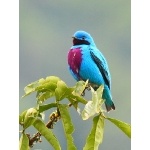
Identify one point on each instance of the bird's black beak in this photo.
(74, 37)
(77, 41)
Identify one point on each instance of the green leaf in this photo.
(69, 92)
(53, 79)
(94, 106)
(30, 88)
(70, 144)
(65, 116)
(99, 92)
(74, 98)
(61, 90)
(80, 99)
(22, 116)
(49, 79)
(45, 95)
(30, 117)
(46, 107)
(42, 85)
(125, 127)
(68, 125)
(80, 87)
(46, 86)
(96, 135)
(48, 134)
(24, 142)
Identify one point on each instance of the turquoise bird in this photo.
(86, 62)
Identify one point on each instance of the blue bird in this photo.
(86, 62)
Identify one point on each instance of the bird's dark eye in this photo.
(83, 38)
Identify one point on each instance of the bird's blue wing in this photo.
(101, 63)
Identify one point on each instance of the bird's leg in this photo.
(88, 87)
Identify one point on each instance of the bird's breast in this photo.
(74, 60)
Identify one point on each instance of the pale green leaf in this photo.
(49, 79)
(53, 79)
(47, 133)
(99, 92)
(66, 119)
(125, 127)
(42, 85)
(24, 142)
(30, 88)
(71, 97)
(96, 135)
(30, 117)
(41, 81)
(68, 125)
(46, 86)
(61, 90)
(70, 144)
(75, 98)
(47, 107)
(80, 87)
(80, 99)
(89, 110)
(94, 106)
(22, 116)
(45, 95)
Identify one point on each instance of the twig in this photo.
(54, 117)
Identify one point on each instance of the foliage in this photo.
(53, 86)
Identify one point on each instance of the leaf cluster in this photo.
(54, 87)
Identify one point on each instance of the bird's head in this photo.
(82, 37)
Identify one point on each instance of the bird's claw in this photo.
(88, 87)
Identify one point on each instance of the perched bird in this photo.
(86, 62)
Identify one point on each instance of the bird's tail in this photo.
(108, 99)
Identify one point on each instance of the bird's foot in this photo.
(83, 93)
(88, 87)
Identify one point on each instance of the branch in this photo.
(54, 117)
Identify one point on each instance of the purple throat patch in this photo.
(74, 60)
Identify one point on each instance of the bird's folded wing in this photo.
(102, 65)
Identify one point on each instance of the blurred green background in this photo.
(46, 28)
